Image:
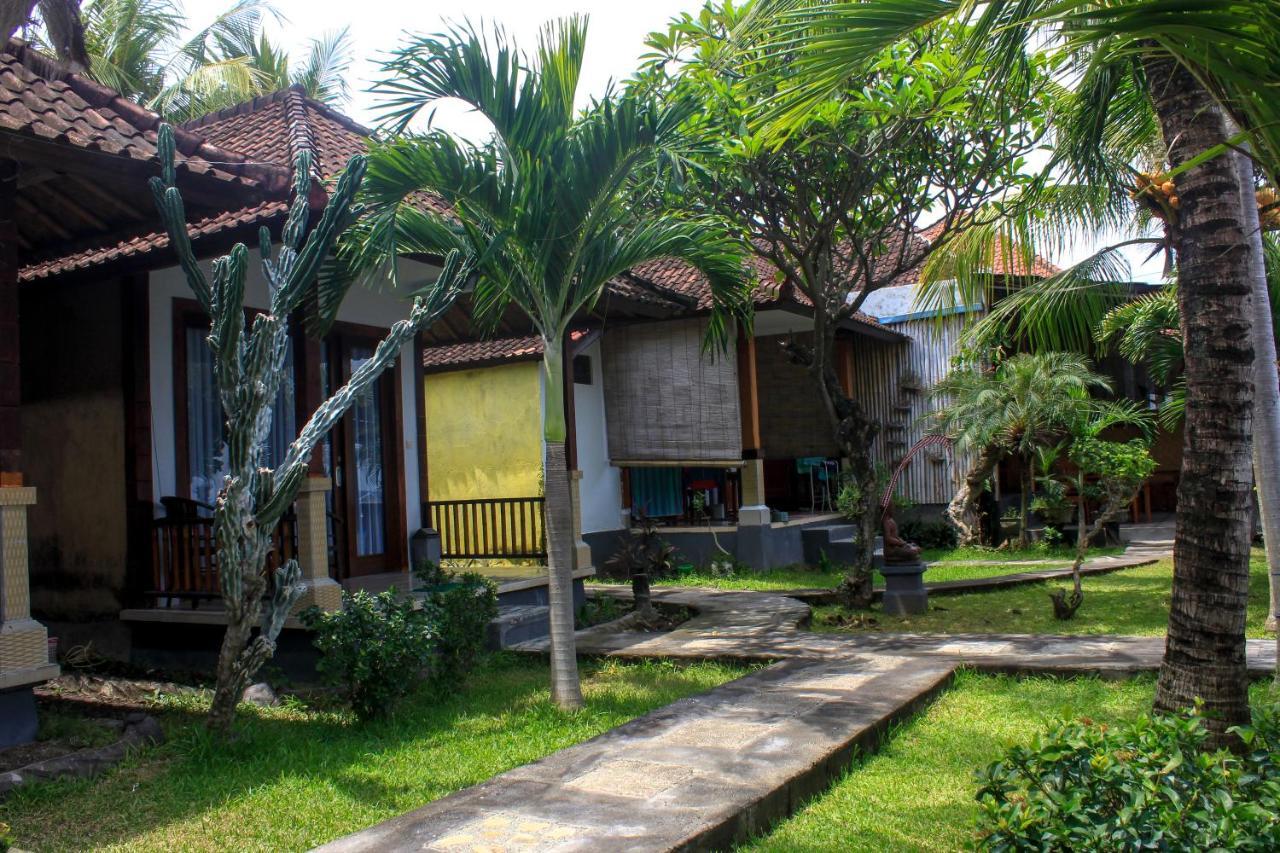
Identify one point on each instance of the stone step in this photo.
(518, 623)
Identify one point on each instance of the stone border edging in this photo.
(818, 596)
(139, 730)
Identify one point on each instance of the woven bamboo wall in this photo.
(793, 420)
(878, 372)
(667, 401)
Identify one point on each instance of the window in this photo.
(206, 446)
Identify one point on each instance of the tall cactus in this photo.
(248, 368)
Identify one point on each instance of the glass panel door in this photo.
(368, 469)
(206, 429)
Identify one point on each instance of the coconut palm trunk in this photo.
(565, 689)
(1266, 400)
(1205, 649)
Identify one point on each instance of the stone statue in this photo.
(897, 550)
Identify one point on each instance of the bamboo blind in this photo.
(668, 401)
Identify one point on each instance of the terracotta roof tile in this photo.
(488, 352)
(268, 130)
(42, 99)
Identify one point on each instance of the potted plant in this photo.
(1051, 504)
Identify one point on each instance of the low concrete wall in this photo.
(761, 547)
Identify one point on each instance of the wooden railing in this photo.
(490, 528)
(184, 557)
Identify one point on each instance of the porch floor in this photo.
(796, 519)
(509, 579)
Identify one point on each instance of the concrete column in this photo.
(24, 648)
(753, 509)
(313, 547)
(581, 550)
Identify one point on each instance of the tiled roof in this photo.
(1006, 261)
(268, 130)
(42, 100)
(483, 353)
(678, 277)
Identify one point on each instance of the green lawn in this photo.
(800, 576)
(297, 778)
(917, 793)
(1061, 554)
(1129, 601)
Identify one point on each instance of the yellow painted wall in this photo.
(484, 433)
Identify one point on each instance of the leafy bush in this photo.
(462, 610)
(375, 649)
(1146, 785)
(928, 534)
(6, 837)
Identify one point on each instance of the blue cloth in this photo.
(656, 491)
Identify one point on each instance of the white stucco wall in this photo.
(361, 306)
(601, 486)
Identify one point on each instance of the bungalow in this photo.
(73, 186)
(110, 411)
(728, 450)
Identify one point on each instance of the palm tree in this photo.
(1199, 68)
(540, 205)
(137, 48)
(1023, 403)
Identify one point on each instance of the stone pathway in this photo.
(711, 770)
(741, 625)
(702, 773)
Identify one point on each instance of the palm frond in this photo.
(1063, 311)
(324, 73)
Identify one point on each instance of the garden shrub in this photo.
(462, 609)
(928, 534)
(375, 649)
(1145, 785)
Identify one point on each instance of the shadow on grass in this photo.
(293, 778)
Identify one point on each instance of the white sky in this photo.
(615, 40)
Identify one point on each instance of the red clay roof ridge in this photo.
(255, 104)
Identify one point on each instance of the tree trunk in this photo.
(963, 512)
(1205, 650)
(565, 688)
(1023, 500)
(1266, 400)
(14, 14)
(232, 679)
(854, 432)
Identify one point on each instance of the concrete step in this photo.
(518, 623)
(817, 540)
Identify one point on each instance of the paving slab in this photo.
(754, 626)
(702, 773)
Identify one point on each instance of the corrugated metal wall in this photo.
(882, 374)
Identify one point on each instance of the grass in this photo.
(298, 777)
(917, 793)
(1129, 601)
(801, 576)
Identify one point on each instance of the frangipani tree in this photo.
(836, 207)
(1105, 470)
(541, 206)
(1203, 71)
(248, 369)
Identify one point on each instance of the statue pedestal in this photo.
(904, 590)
